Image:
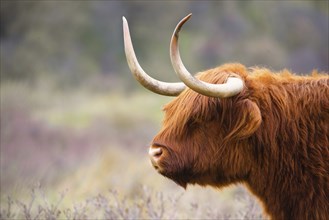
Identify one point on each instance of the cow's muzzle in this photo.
(155, 153)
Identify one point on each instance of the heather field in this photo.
(82, 154)
(76, 126)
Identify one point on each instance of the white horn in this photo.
(232, 87)
(162, 88)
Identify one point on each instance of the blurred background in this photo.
(72, 116)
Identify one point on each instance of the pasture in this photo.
(75, 127)
(84, 155)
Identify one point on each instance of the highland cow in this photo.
(268, 131)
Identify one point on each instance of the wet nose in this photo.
(155, 152)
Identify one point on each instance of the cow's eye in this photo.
(192, 123)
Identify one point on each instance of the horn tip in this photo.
(188, 16)
(124, 19)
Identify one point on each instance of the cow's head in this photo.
(204, 135)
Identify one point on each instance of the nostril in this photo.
(155, 152)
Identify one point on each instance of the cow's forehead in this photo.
(190, 105)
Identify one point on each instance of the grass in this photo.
(146, 204)
(88, 149)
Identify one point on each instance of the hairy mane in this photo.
(295, 116)
(273, 136)
(280, 92)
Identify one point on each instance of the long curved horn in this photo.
(162, 88)
(232, 87)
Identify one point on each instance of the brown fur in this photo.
(273, 137)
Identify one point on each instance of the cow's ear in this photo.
(252, 118)
(246, 118)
